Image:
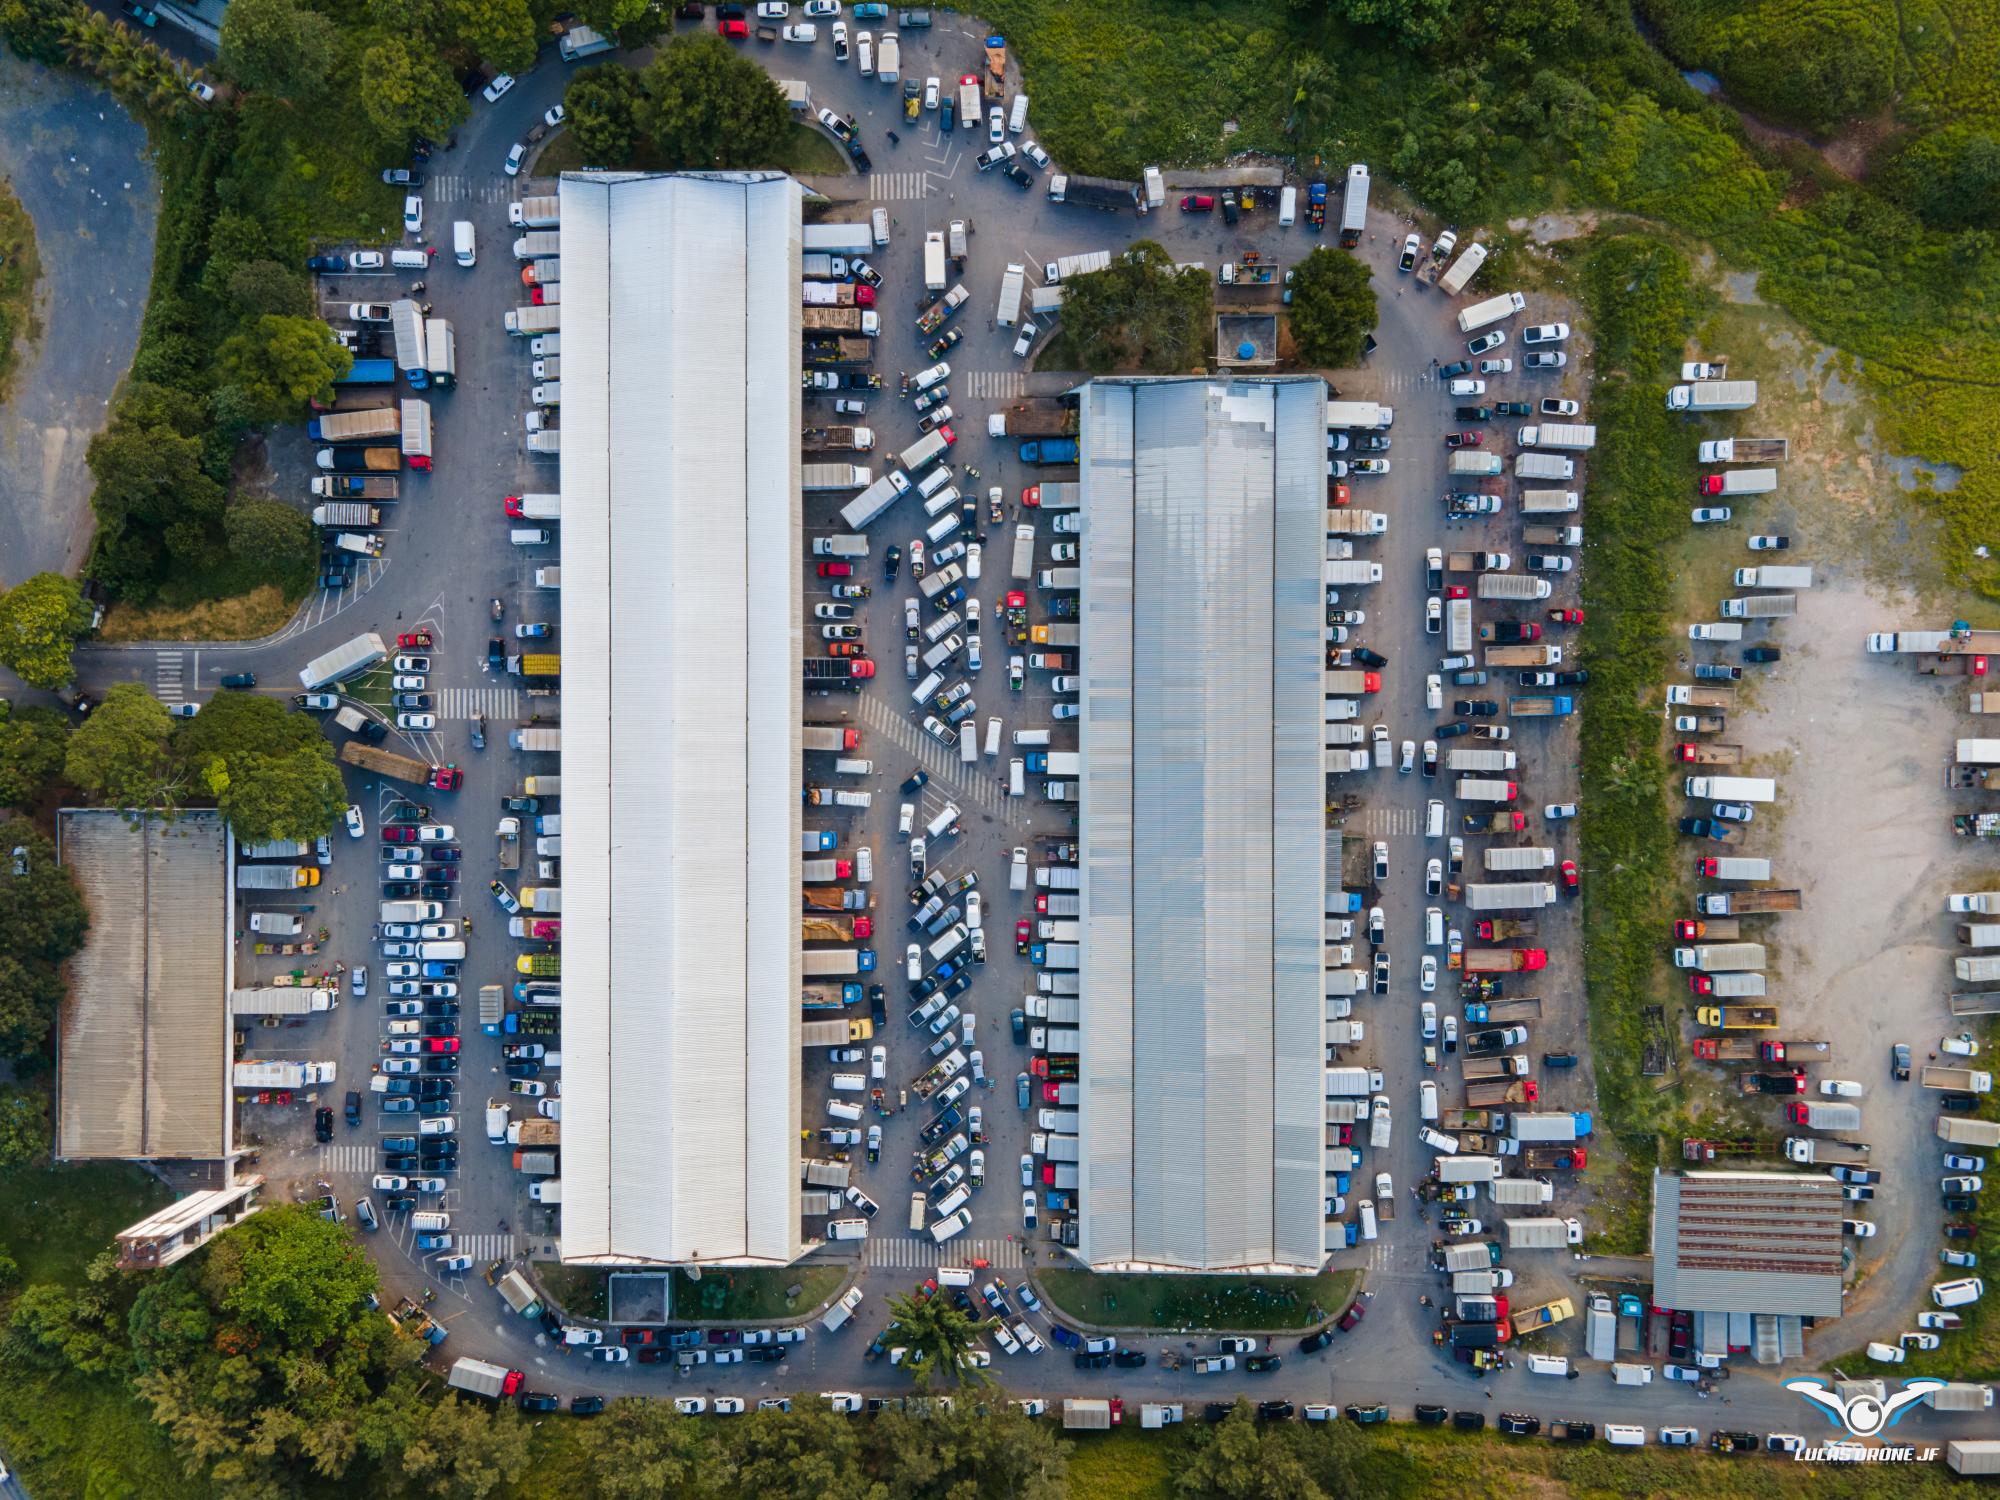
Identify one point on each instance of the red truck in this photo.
(1505, 960)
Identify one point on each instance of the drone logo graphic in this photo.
(1862, 1414)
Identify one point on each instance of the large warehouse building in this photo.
(1202, 1116)
(682, 707)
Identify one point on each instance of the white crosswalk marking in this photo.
(167, 669)
(1393, 822)
(448, 189)
(967, 783)
(910, 1253)
(348, 1157)
(996, 385)
(467, 703)
(484, 1247)
(899, 187)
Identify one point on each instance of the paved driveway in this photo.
(78, 163)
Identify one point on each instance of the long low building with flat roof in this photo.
(1201, 1116)
(682, 714)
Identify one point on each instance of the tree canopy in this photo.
(41, 620)
(33, 742)
(43, 920)
(282, 363)
(269, 769)
(937, 1334)
(1139, 313)
(119, 754)
(278, 47)
(1333, 308)
(603, 105)
(709, 107)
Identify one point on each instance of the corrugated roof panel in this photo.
(680, 537)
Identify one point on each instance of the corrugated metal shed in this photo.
(682, 706)
(143, 1039)
(1750, 1242)
(1202, 885)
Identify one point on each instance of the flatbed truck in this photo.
(1502, 1012)
(401, 767)
(1500, 1091)
(1748, 903)
(1738, 1017)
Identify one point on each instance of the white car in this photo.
(413, 664)
(1861, 1229)
(1679, 1437)
(1427, 1100)
(1557, 812)
(996, 126)
(554, 116)
(436, 833)
(416, 721)
(1769, 542)
(413, 215)
(772, 10)
(516, 154)
(1887, 1354)
(1707, 515)
(406, 682)
(1961, 1045)
(931, 87)
(1840, 1088)
(1545, 359)
(1026, 341)
(497, 87)
(1467, 387)
(1428, 1017)
(803, 32)
(1027, 1170)
(1434, 692)
(694, 1406)
(1545, 333)
(822, 7)
(1496, 367)
(1004, 1337)
(1028, 1209)
(1035, 154)
(1920, 1341)
(1427, 981)
(1408, 761)
(356, 826)
(1433, 615)
(385, 1184)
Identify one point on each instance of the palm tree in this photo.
(937, 1335)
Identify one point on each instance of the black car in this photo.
(1520, 1426)
(1514, 409)
(1572, 679)
(1455, 369)
(1961, 1203)
(330, 264)
(1578, 1432)
(1706, 828)
(1761, 655)
(540, 1401)
(1369, 658)
(653, 1354)
(1451, 731)
(1085, 1361)
(1958, 1104)
(1431, 1416)
(1312, 1343)
(914, 20)
(446, 1062)
(1275, 1411)
(1468, 1421)
(1365, 1415)
(1263, 1364)
(334, 579)
(353, 1108)
(1733, 1442)
(323, 1124)
(585, 1406)
(399, 1203)
(397, 1161)
(764, 1354)
(240, 680)
(431, 1088)
(1019, 175)
(1558, 1059)
(1217, 1411)
(1477, 708)
(525, 1068)
(1132, 1359)
(863, 162)
(496, 654)
(1473, 414)
(1899, 1061)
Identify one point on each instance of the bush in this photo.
(1333, 308)
(1139, 313)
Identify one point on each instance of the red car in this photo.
(1464, 439)
(1457, 591)
(733, 30)
(1566, 616)
(836, 570)
(845, 648)
(1351, 1319)
(861, 668)
(399, 833)
(414, 638)
(1569, 874)
(446, 778)
(440, 1044)
(1197, 203)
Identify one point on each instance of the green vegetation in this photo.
(42, 922)
(20, 269)
(33, 742)
(752, 1296)
(1139, 314)
(1333, 308)
(937, 1333)
(41, 619)
(805, 151)
(1175, 1302)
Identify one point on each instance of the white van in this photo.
(928, 485)
(1017, 781)
(1031, 738)
(953, 939)
(410, 260)
(942, 652)
(944, 1229)
(1288, 207)
(927, 687)
(968, 745)
(463, 243)
(1368, 1218)
(842, 1109)
(943, 820)
(441, 950)
(1547, 1364)
(530, 536)
(879, 221)
(940, 502)
(1622, 1435)
(1017, 869)
(850, 1083)
(1958, 1293)
(430, 1223)
(1630, 1374)
(953, 1201)
(993, 736)
(1434, 819)
(954, 1276)
(496, 1121)
(1018, 120)
(942, 527)
(1433, 927)
(847, 767)
(847, 1229)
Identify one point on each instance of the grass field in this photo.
(234, 617)
(20, 269)
(755, 1296)
(1198, 1302)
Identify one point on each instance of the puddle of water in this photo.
(1910, 472)
(1741, 287)
(1706, 83)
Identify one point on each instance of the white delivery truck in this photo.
(1492, 310)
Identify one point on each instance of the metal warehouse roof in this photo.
(681, 717)
(143, 1039)
(1200, 808)
(1747, 1242)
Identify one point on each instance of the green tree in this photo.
(41, 620)
(278, 47)
(269, 769)
(270, 532)
(641, 1450)
(1333, 308)
(1139, 313)
(151, 472)
(797, 1455)
(290, 1275)
(937, 1333)
(1238, 1461)
(24, 1126)
(31, 992)
(170, 1324)
(261, 287)
(407, 89)
(1950, 179)
(707, 106)
(1415, 23)
(282, 363)
(603, 106)
(460, 1451)
(42, 915)
(57, 1327)
(501, 31)
(119, 753)
(969, 1451)
(33, 742)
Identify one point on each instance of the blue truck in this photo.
(1541, 706)
(1050, 451)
